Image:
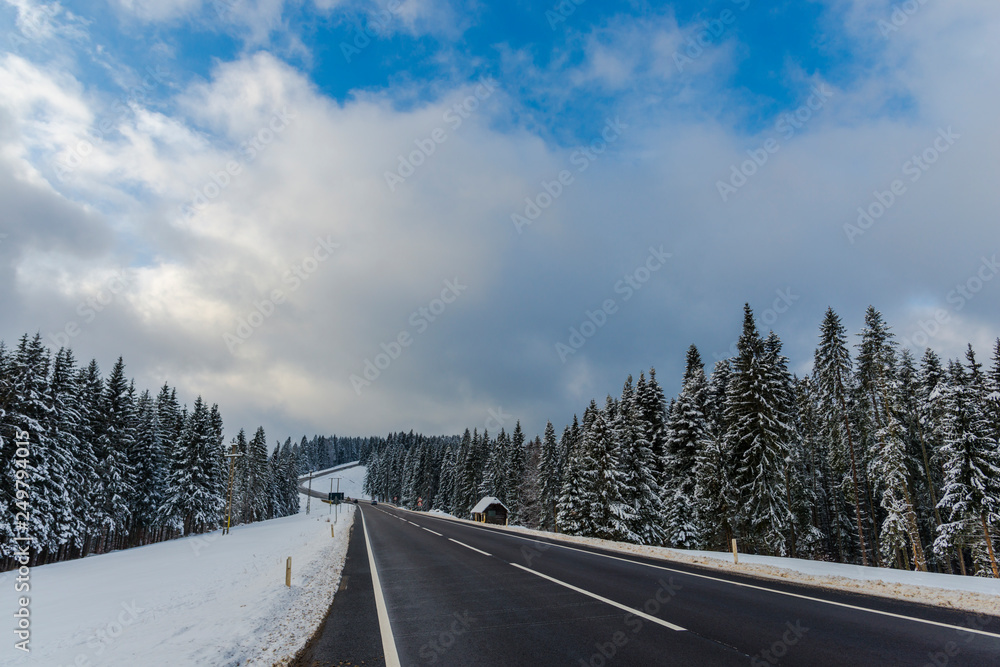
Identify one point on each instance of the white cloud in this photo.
(321, 178)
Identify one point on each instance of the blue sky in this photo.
(245, 208)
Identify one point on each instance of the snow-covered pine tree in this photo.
(91, 393)
(637, 464)
(495, 472)
(992, 399)
(713, 467)
(971, 498)
(876, 377)
(515, 473)
(80, 463)
(529, 490)
(930, 414)
(604, 492)
(148, 462)
(242, 486)
(908, 399)
(802, 535)
(549, 477)
(758, 440)
(30, 411)
(287, 480)
(834, 380)
(464, 476)
(687, 428)
(115, 440)
(574, 506)
(446, 490)
(192, 503)
(652, 405)
(890, 473)
(827, 505)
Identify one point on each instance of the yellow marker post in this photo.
(288, 572)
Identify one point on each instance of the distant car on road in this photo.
(374, 502)
(355, 501)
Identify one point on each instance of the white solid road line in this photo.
(468, 547)
(388, 642)
(640, 614)
(737, 583)
(432, 531)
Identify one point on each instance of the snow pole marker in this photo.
(288, 572)
(736, 555)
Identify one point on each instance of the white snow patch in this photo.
(351, 483)
(209, 599)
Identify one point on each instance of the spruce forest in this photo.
(109, 467)
(875, 458)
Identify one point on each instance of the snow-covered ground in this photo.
(974, 594)
(351, 483)
(202, 600)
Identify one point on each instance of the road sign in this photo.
(336, 497)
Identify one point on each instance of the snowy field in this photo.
(975, 594)
(351, 484)
(202, 600)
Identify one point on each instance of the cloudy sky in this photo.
(345, 216)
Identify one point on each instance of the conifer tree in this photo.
(603, 491)
(757, 438)
(639, 489)
(549, 477)
(115, 441)
(713, 465)
(687, 429)
(834, 380)
(515, 473)
(971, 499)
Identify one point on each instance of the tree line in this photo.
(874, 458)
(108, 467)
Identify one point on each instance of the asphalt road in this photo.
(459, 594)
